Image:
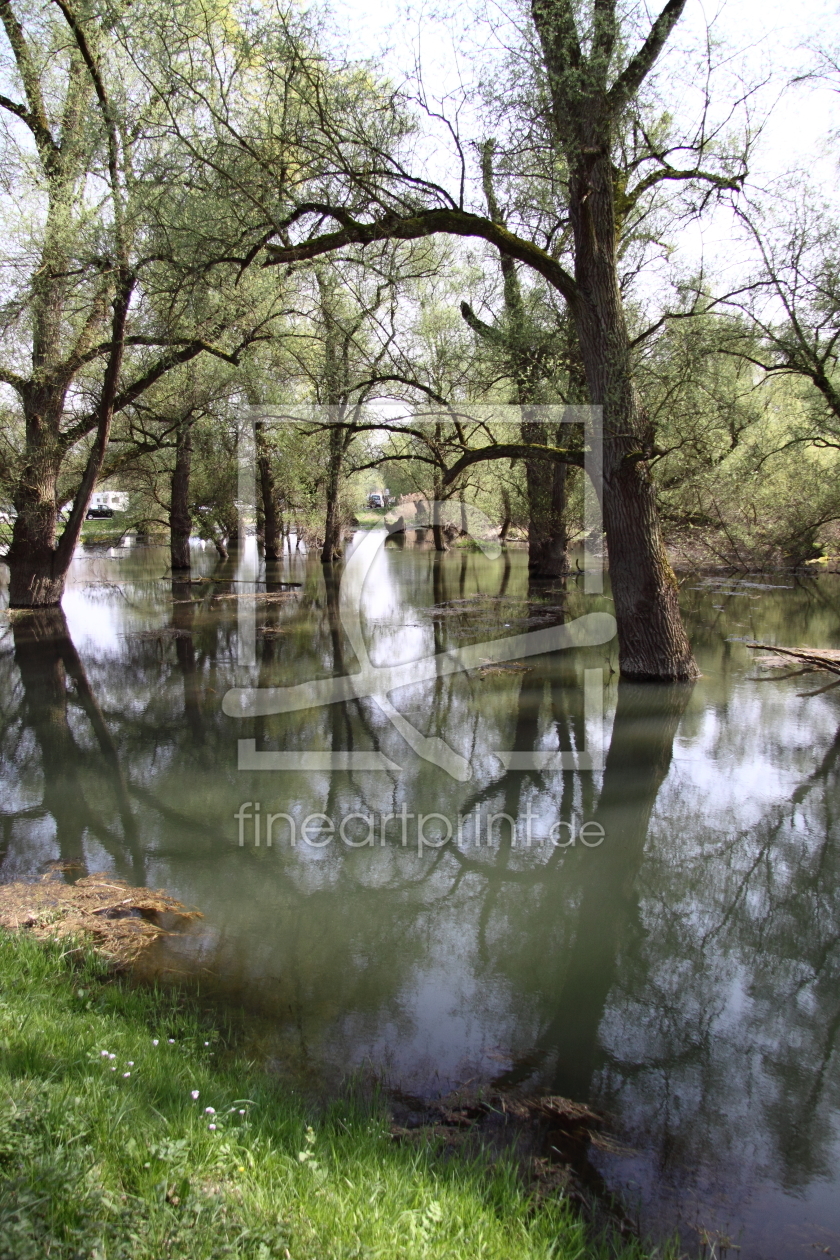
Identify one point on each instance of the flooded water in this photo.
(658, 936)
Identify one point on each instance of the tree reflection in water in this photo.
(54, 682)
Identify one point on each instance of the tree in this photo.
(117, 290)
(533, 359)
(75, 134)
(340, 352)
(792, 305)
(591, 87)
(733, 484)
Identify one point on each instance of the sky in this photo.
(772, 40)
(770, 36)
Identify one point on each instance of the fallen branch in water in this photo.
(817, 658)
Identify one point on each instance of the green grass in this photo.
(97, 1163)
(110, 529)
(369, 519)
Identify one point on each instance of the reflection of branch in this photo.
(183, 821)
(75, 669)
(775, 825)
(806, 695)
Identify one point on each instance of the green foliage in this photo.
(738, 482)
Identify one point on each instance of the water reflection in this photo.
(683, 975)
(54, 682)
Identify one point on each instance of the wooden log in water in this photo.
(818, 658)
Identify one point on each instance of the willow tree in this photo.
(541, 363)
(591, 87)
(74, 132)
(113, 275)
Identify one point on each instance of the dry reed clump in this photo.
(120, 920)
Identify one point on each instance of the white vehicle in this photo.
(116, 500)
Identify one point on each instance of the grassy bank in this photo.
(127, 1129)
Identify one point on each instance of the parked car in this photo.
(376, 501)
(99, 514)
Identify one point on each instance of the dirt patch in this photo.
(120, 921)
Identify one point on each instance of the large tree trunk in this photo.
(585, 111)
(180, 521)
(652, 641)
(36, 576)
(331, 550)
(37, 563)
(547, 533)
(271, 533)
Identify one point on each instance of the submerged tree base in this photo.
(33, 588)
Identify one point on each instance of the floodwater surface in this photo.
(658, 936)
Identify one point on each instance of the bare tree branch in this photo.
(416, 227)
(634, 75)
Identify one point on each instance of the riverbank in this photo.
(129, 1126)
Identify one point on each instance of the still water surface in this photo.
(683, 976)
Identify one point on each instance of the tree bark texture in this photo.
(652, 641)
(331, 550)
(272, 535)
(180, 520)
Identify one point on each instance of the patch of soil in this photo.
(120, 921)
